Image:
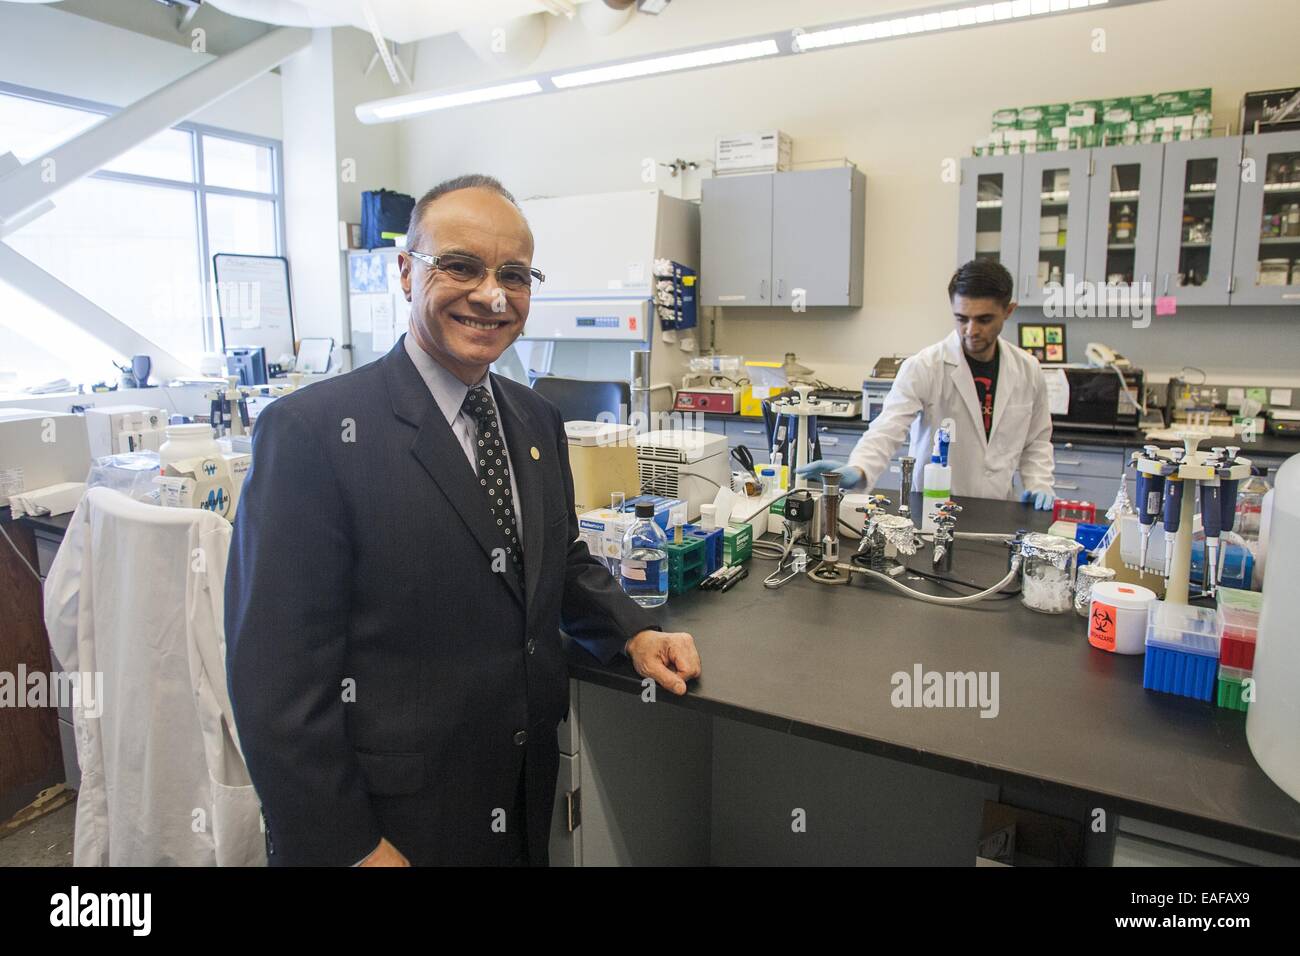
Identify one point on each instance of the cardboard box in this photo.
(766, 151)
(1118, 109)
(1271, 110)
(1006, 117)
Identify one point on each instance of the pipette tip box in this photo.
(1239, 626)
(1231, 688)
(1182, 646)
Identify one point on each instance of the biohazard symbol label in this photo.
(1101, 629)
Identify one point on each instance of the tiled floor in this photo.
(45, 842)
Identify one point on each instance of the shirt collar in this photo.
(447, 390)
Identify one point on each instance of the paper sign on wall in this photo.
(359, 310)
(382, 326)
(1058, 391)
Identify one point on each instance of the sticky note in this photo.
(1280, 396)
(1166, 305)
(1257, 394)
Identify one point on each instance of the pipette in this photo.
(1211, 518)
(1173, 509)
(1227, 499)
(1150, 492)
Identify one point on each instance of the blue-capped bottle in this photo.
(644, 567)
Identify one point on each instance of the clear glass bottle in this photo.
(643, 571)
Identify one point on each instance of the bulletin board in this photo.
(378, 312)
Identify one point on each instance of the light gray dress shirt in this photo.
(449, 393)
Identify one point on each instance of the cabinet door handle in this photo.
(762, 288)
(780, 288)
(1069, 461)
(752, 431)
(1065, 485)
(1165, 290)
(828, 442)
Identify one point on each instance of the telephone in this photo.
(1103, 356)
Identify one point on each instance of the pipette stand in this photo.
(1195, 467)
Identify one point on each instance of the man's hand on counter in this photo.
(668, 657)
(1041, 500)
(850, 476)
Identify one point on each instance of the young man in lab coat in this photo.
(993, 391)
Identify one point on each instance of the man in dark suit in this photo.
(404, 556)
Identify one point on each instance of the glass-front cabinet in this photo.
(1198, 220)
(1124, 215)
(1266, 264)
(989, 219)
(1053, 223)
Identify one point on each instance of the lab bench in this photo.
(793, 719)
(1088, 464)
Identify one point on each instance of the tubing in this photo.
(930, 598)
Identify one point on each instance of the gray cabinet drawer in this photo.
(1089, 462)
(1100, 491)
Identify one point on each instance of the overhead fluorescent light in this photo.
(934, 21)
(937, 19)
(711, 56)
(410, 106)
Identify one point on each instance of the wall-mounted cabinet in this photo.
(1053, 226)
(1198, 220)
(1208, 222)
(1123, 214)
(1266, 259)
(989, 220)
(783, 239)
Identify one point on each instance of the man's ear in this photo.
(404, 268)
(1011, 307)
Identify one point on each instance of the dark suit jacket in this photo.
(386, 681)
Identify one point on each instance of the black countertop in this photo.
(816, 661)
(1270, 446)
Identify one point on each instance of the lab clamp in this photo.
(228, 407)
(1168, 483)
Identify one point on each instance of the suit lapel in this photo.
(437, 449)
(523, 438)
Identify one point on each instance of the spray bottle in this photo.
(938, 477)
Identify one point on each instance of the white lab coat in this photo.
(935, 384)
(136, 592)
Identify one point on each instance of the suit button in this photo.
(521, 738)
(530, 646)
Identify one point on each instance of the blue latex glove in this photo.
(1043, 500)
(850, 477)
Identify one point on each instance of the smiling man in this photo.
(404, 556)
(993, 392)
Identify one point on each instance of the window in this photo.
(137, 237)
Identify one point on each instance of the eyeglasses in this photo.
(469, 271)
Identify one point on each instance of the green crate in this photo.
(686, 565)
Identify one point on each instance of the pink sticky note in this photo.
(1166, 305)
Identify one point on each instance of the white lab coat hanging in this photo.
(135, 593)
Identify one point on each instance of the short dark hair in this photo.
(982, 279)
(456, 183)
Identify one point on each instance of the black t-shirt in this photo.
(986, 385)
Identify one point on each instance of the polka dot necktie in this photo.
(494, 469)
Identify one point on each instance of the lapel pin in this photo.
(535, 453)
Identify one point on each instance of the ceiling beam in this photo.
(35, 182)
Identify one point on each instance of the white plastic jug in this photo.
(1274, 715)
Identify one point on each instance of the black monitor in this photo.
(248, 364)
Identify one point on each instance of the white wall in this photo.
(898, 109)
